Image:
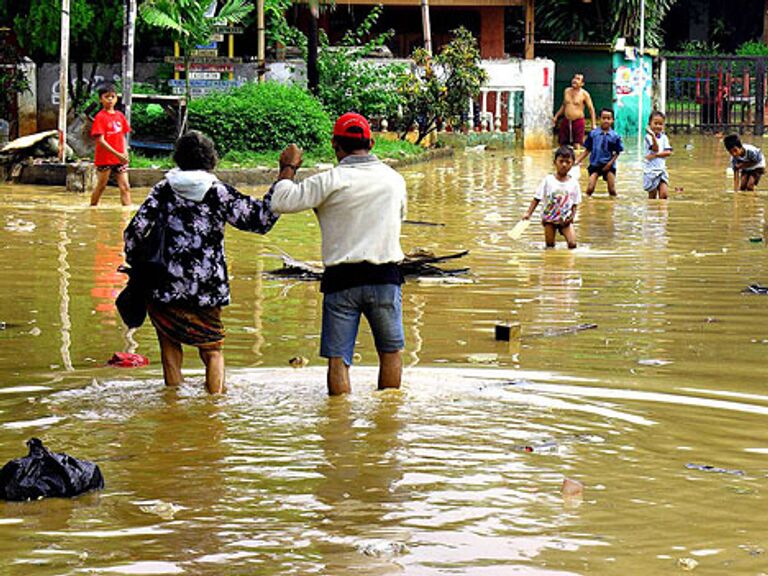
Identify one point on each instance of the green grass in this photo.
(383, 148)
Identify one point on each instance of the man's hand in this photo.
(291, 156)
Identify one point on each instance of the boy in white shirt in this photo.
(657, 150)
(747, 161)
(561, 195)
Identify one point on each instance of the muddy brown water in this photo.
(275, 478)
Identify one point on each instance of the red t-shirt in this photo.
(113, 127)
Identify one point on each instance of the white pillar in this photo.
(484, 110)
(471, 117)
(497, 123)
(63, 79)
(511, 112)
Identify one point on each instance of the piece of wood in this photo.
(519, 229)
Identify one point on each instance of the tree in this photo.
(95, 35)
(439, 88)
(347, 81)
(601, 20)
(192, 22)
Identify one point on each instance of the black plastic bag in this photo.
(131, 303)
(44, 474)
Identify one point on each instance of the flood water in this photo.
(275, 478)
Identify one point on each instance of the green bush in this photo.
(258, 117)
(151, 120)
(752, 48)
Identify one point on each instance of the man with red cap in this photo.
(360, 205)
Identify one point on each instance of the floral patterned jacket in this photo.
(194, 239)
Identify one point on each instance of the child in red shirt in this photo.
(109, 129)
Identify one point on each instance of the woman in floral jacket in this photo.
(184, 300)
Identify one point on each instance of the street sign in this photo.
(206, 67)
(222, 84)
(229, 29)
(204, 52)
(205, 75)
(205, 60)
(210, 46)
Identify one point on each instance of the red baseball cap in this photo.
(352, 125)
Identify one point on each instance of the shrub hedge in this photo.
(261, 116)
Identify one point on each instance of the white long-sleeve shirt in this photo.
(360, 205)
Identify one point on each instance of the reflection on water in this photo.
(276, 478)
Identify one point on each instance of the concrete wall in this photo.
(536, 79)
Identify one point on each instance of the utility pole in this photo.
(426, 26)
(63, 80)
(129, 29)
(313, 74)
(261, 52)
(641, 82)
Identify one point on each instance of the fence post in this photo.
(760, 97)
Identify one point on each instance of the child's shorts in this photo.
(652, 180)
(755, 174)
(381, 304)
(592, 169)
(114, 168)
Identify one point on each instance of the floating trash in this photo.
(166, 510)
(687, 564)
(715, 469)
(379, 548)
(298, 361)
(653, 362)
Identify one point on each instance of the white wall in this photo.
(536, 78)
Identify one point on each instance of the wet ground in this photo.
(659, 411)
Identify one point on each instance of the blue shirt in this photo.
(602, 146)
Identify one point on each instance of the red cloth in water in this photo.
(128, 360)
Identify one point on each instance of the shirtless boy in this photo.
(574, 99)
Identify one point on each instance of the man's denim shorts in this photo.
(381, 304)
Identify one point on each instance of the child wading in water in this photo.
(561, 195)
(109, 130)
(603, 146)
(657, 149)
(747, 161)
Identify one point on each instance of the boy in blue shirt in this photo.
(604, 146)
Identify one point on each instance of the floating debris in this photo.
(687, 564)
(548, 447)
(653, 362)
(755, 289)
(379, 548)
(482, 358)
(417, 263)
(572, 488)
(715, 469)
(298, 361)
(563, 331)
(166, 510)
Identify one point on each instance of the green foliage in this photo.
(440, 87)
(188, 23)
(350, 82)
(601, 20)
(13, 79)
(257, 117)
(699, 48)
(278, 31)
(752, 48)
(151, 119)
(95, 35)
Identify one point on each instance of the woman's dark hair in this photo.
(565, 152)
(350, 145)
(732, 141)
(656, 113)
(195, 151)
